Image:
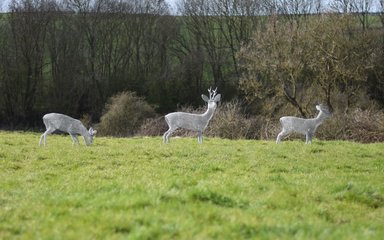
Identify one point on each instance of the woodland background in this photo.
(125, 63)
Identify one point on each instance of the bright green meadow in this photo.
(140, 188)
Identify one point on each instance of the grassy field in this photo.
(140, 188)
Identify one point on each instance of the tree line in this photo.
(71, 56)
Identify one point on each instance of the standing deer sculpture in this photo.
(304, 126)
(57, 121)
(190, 121)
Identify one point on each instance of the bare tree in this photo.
(359, 7)
(275, 64)
(6, 69)
(310, 63)
(342, 6)
(121, 41)
(90, 17)
(362, 8)
(340, 58)
(66, 86)
(381, 11)
(236, 21)
(200, 22)
(28, 24)
(219, 28)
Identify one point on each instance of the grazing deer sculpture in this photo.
(304, 126)
(57, 121)
(190, 121)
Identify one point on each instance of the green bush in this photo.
(123, 115)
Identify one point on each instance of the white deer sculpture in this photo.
(304, 126)
(57, 121)
(190, 121)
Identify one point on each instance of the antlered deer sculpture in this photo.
(191, 121)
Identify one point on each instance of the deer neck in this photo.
(320, 118)
(84, 132)
(209, 113)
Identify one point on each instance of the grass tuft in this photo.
(352, 193)
(217, 199)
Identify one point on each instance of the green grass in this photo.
(140, 188)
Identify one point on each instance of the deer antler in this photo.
(212, 94)
(194, 122)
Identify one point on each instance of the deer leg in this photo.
(74, 139)
(167, 134)
(279, 136)
(200, 137)
(77, 140)
(44, 135)
(41, 139)
(308, 138)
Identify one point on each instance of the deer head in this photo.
(213, 98)
(92, 133)
(323, 108)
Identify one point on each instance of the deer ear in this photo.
(217, 98)
(205, 98)
(91, 131)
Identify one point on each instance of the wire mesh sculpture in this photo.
(64, 123)
(304, 126)
(191, 121)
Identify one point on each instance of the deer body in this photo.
(64, 123)
(301, 125)
(190, 121)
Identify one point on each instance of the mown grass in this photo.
(139, 188)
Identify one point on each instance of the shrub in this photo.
(359, 125)
(123, 115)
(230, 122)
(153, 127)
